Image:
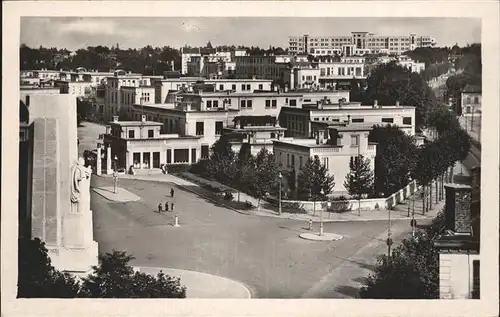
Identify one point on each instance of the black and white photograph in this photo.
(253, 157)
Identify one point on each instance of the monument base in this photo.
(75, 260)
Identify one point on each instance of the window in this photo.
(273, 104)
(475, 279)
(205, 151)
(249, 103)
(355, 140)
(151, 133)
(300, 161)
(131, 134)
(388, 120)
(199, 128)
(358, 120)
(261, 87)
(407, 120)
(181, 155)
(27, 101)
(248, 87)
(242, 87)
(325, 162)
(288, 160)
(216, 103)
(268, 103)
(293, 160)
(476, 100)
(243, 104)
(293, 103)
(209, 103)
(234, 87)
(218, 127)
(221, 87)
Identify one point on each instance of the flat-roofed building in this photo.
(164, 86)
(298, 121)
(253, 132)
(336, 144)
(141, 145)
(471, 98)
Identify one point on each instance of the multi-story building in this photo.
(196, 57)
(140, 145)
(336, 144)
(114, 84)
(165, 86)
(76, 88)
(264, 67)
(358, 43)
(253, 132)
(471, 98)
(298, 121)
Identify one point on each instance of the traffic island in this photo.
(122, 195)
(315, 236)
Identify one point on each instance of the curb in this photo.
(244, 286)
(345, 220)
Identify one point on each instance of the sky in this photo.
(74, 33)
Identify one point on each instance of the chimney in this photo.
(143, 118)
(375, 103)
(397, 103)
(457, 212)
(115, 118)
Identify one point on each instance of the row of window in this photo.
(244, 87)
(406, 120)
(131, 133)
(200, 128)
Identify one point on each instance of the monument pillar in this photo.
(109, 171)
(66, 231)
(99, 161)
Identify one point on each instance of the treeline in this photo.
(147, 60)
(471, 65)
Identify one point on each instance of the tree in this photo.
(115, 278)
(313, 179)
(412, 270)
(359, 181)
(390, 82)
(396, 156)
(221, 161)
(265, 174)
(37, 277)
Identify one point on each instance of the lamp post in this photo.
(321, 215)
(389, 234)
(115, 175)
(280, 177)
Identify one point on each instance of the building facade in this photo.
(140, 145)
(298, 121)
(358, 43)
(335, 145)
(471, 98)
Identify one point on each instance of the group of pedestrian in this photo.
(160, 205)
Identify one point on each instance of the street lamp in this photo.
(115, 175)
(389, 234)
(321, 215)
(280, 180)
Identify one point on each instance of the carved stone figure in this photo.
(80, 186)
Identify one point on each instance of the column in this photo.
(108, 160)
(150, 160)
(130, 160)
(140, 160)
(190, 159)
(172, 155)
(99, 162)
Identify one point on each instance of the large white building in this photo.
(357, 43)
(336, 144)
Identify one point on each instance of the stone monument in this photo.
(60, 209)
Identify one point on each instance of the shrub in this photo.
(339, 205)
(293, 208)
(199, 168)
(228, 196)
(178, 168)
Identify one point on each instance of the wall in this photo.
(455, 275)
(236, 85)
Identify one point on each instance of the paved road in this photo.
(265, 254)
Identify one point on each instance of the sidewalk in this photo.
(400, 213)
(202, 285)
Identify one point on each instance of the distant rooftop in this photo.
(135, 123)
(308, 143)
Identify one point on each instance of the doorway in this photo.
(156, 159)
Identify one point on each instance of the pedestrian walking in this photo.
(166, 206)
(159, 208)
(172, 192)
(172, 207)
